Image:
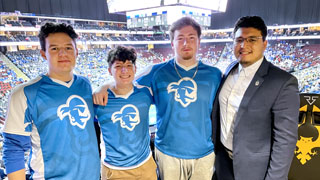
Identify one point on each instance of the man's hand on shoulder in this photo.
(100, 95)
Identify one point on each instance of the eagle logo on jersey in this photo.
(76, 109)
(128, 117)
(185, 91)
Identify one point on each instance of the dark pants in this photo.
(223, 165)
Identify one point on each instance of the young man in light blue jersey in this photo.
(124, 122)
(53, 116)
(184, 90)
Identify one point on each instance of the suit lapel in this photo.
(232, 66)
(254, 85)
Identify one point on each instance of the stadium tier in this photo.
(294, 48)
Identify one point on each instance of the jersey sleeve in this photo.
(14, 147)
(17, 130)
(18, 119)
(146, 76)
(147, 91)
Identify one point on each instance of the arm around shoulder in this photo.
(100, 95)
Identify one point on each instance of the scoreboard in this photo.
(166, 15)
(147, 21)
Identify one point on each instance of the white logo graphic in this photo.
(185, 91)
(76, 109)
(311, 99)
(128, 117)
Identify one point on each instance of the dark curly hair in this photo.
(50, 28)
(122, 53)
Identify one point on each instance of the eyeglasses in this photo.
(250, 40)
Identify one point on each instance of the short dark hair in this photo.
(122, 53)
(50, 28)
(183, 22)
(254, 22)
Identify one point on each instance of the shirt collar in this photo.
(124, 96)
(67, 84)
(252, 69)
(185, 67)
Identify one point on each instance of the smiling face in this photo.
(248, 52)
(61, 54)
(123, 73)
(185, 44)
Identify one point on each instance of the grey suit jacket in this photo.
(265, 129)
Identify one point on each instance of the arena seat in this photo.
(306, 160)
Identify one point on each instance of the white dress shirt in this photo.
(230, 98)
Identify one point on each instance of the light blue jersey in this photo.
(57, 118)
(183, 107)
(124, 124)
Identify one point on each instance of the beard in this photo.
(187, 56)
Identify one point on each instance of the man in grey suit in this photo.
(255, 114)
